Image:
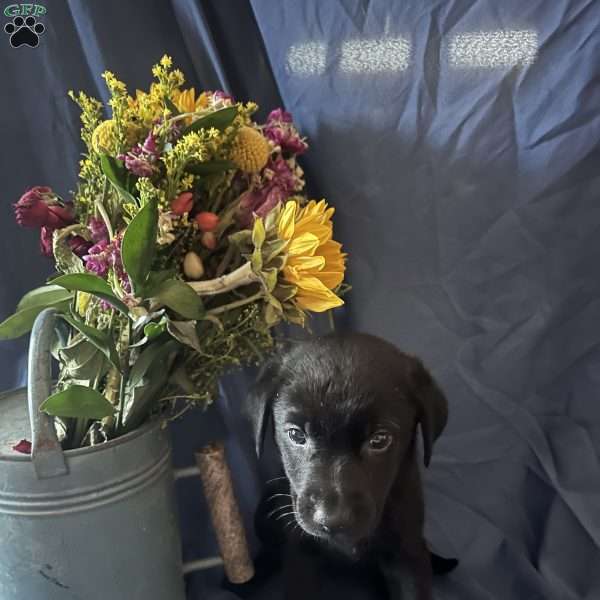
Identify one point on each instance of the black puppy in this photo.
(345, 410)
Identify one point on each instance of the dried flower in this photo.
(40, 207)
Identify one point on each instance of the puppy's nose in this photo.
(334, 523)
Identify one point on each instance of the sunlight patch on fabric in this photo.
(375, 56)
(306, 59)
(491, 49)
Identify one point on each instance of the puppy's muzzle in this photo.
(346, 517)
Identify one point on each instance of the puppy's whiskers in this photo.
(285, 507)
(277, 496)
(276, 479)
(287, 514)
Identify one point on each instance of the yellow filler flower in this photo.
(315, 263)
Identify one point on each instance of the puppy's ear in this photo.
(432, 407)
(260, 400)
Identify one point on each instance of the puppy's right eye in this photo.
(297, 436)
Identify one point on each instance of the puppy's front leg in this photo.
(300, 572)
(408, 577)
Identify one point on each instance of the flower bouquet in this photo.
(187, 239)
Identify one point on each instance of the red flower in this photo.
(46, 241)
(183, 203)
(40, 207)
(79, 245)
(207, 221)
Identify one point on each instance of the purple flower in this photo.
(105, 255)
(96, 260)
(221, 96)
(279, 116)
(97, 228)
(281, 182)
(281, 131)
(142, 159)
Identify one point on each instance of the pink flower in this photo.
(281, 131)
(41, 207)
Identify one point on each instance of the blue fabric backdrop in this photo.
(458, 141)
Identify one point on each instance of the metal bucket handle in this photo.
(46, 452)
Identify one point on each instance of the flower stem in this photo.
(102, 209)
(225, 283)
(221, 309)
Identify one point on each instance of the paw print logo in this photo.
(24, 32)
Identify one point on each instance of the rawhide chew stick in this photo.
(225, 513)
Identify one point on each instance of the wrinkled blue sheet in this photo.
(458, 141)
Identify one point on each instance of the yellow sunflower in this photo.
(315, 263)
(186, 101)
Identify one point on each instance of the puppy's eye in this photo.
(297, 436)
(379, 441)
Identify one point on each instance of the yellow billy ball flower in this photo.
(250, 150)
(315, 262)
(104, 138)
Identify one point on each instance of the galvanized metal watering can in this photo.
(85, 524)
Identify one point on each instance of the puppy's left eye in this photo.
(297, 436)
(379, 441)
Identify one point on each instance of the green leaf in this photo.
(180, 297)
(82, 360)
(44, 296)
(139, 244)
(151, 356)
(210, 167)
(78, 401)
(185, 332)
(101, 339)
(152, 330)
(92, 284)
(22, 321)
(116, 173)
(219, 120)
